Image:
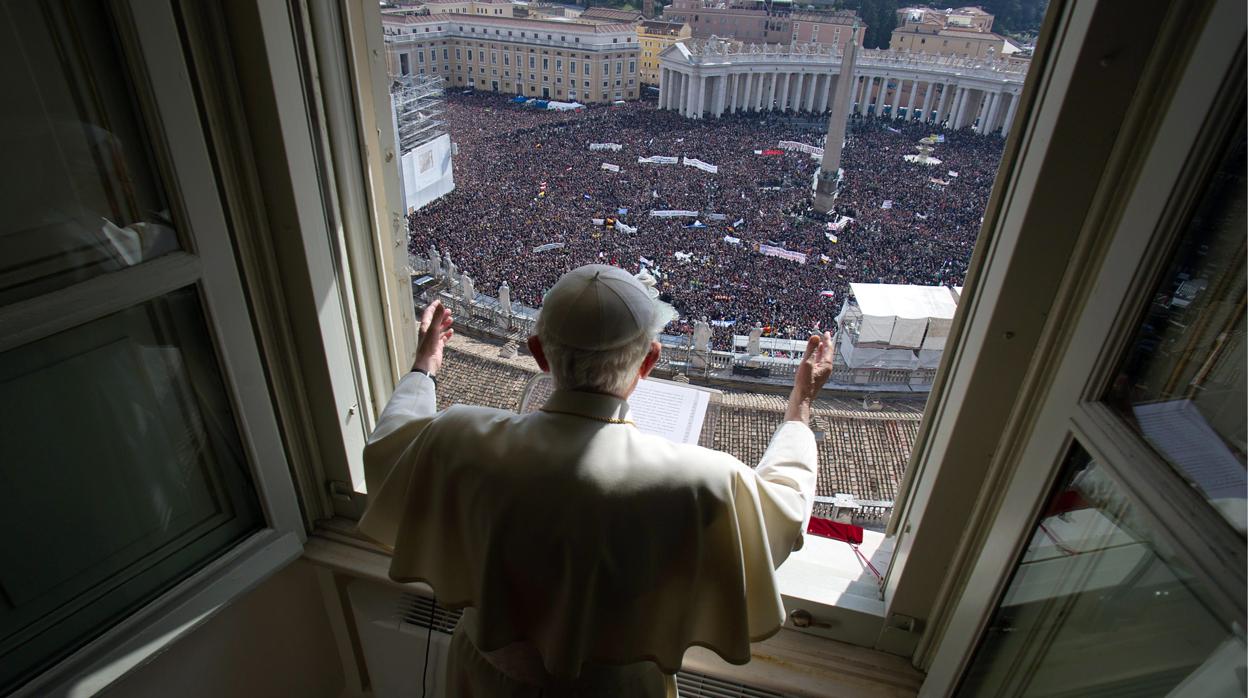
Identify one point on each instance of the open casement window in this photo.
(1104, 80)
(148, 483)
(1111, 555)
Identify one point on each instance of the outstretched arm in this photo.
(789, 466)
(414, 402)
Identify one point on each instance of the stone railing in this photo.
(484, 316)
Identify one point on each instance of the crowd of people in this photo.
(525, 178)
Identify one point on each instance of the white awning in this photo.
(902, 315)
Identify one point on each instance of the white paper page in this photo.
(674, 412)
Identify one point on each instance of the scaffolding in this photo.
(419, 106)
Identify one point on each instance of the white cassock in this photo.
(580, 542)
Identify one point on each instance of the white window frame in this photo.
(1196, 75)
(995, 335)
(148, 33)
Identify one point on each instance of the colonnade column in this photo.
(879, 97)
(897, 100)
(865, 95)
(1009, 115)
(959, 105)
(721, 94)
(686, 91)
(732, 97)
(942, 106)
(812, 91)
(994, 112)
(927, 101)
(914, 94)
(825, 93)
(784, 91)
(981, 114)
(771, 92)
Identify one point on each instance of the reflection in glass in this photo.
(78, 183)
(124, 473)
(1096, 607)
(1182, 383)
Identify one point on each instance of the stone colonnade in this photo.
(934, 93)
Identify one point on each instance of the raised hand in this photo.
(812, 374)
(435, 330)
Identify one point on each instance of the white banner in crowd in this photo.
(658, 160)
(605, 146)
(801, 147)
(548, 246)
(716, 217)
(597, 221)
(610, 168)
(773, 251)
(623, 228)
(646, 261)
(731, 240)
(673, 214)
(704, 166)
(683, 256)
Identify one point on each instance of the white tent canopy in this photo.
(900, 315)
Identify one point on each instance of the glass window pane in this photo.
(1182, 383)
(125, 473)
(1097, 607)
(80, 189)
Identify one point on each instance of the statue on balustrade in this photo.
(504, 304)
(452, 271)
(702, 335)
(467, 288)
(754, 346)
(435, 263)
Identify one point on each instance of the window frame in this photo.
(152, 51)
(1201, 54)
(984, 367)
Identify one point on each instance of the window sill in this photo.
(822, 579)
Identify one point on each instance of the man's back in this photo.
(571, 529)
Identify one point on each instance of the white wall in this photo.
(274, 641)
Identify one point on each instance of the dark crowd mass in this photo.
(525, 178)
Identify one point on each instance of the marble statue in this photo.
(753, 346)
(504, 299)
(702, 335)
(435, 263)
(452, 271)
(467, 288)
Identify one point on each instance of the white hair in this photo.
(610, 371)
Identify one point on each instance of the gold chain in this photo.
(608, 420)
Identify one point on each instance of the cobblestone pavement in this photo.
(861, 452)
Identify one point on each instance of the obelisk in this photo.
(825, 185)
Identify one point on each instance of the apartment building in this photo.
(588, 62)
(656, 35)
(965, 32)
(754, 22)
